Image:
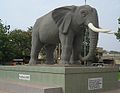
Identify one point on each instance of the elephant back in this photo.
(47, 29)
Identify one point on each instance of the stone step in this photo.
(17, 87)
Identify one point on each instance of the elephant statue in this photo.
(65, 25)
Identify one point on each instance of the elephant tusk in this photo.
(93, 28)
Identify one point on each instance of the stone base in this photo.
(57, 79)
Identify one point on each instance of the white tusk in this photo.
(93, 28)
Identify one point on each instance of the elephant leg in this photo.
(75, 58)
(50, 54)
(66, 42)
(36, 47)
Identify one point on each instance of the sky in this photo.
(20, 14)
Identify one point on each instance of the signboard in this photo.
(24, 77)
(95, 83)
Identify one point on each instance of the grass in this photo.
(119, 76)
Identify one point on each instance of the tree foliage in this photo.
(14, 44)
(118, 32)
(21, 41)
(4, 40)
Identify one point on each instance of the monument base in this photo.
(57, 79)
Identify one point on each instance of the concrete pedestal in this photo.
(58, 79)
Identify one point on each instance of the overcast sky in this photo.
(23, 13)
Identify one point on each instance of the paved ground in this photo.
(114, 91)
(1, 91)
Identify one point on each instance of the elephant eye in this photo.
(84, 13)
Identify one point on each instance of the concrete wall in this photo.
(70, 79)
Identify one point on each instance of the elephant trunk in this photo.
(92, 46)
(93, 35)
(93, 27)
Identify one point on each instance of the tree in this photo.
(4, 42)
(118, 32)
(14, 44)
(21, 41)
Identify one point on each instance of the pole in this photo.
(85, 2)
(59, 51)
(85, 48)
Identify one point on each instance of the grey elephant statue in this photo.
(65, 25)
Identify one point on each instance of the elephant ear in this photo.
(62, 17)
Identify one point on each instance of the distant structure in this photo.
(107, 57)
